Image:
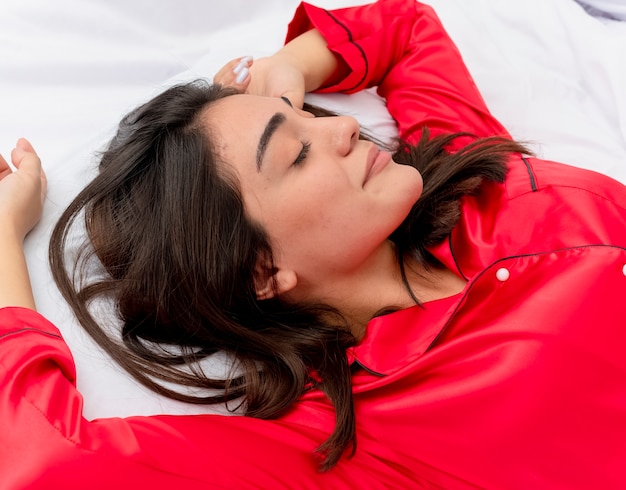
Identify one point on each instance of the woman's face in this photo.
(327, 200)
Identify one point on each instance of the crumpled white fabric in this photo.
(610, 9)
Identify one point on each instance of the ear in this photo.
(273, 282)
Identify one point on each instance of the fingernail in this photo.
(242, 75)
(243, 63)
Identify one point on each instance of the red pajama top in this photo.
(518, 382)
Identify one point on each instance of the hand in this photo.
(274, 76)
(303, 65)
(22, 191)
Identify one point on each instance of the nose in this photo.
(345, 133)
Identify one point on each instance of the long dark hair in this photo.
(167, 224)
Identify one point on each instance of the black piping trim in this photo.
(456, 262)
(492, 265)
(365, 368)
(531, 174)
(22, 330)
(351, 40)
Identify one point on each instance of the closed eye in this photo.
(306, 146)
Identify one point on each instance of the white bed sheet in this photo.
(554, 75)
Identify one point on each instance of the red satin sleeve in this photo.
(401, 47)
(45, 442)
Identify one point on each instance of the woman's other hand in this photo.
(22, 191)
(302, 65)
(273, 76)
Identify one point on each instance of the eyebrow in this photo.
(273, 124)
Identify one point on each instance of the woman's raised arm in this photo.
(400, 46)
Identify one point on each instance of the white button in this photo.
(624, 270)
(503, 274)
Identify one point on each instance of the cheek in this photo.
(314, 195)
(313, 214)
(303, 212)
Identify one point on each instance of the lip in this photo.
(376, 161)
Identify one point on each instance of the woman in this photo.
(427, 324)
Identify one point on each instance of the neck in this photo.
(377, 285)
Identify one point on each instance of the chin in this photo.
(410, 184)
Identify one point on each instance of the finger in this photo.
(26, 161)
(223, 71)
(243, 78)
(241, 72)
(244, 63)
(17, 155)
(5, 168)
(232, 64)
(25, 145)
(236, 73)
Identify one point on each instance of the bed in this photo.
(552, 72)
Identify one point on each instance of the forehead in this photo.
(241, 109)
(238, 120)
(235, 125)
